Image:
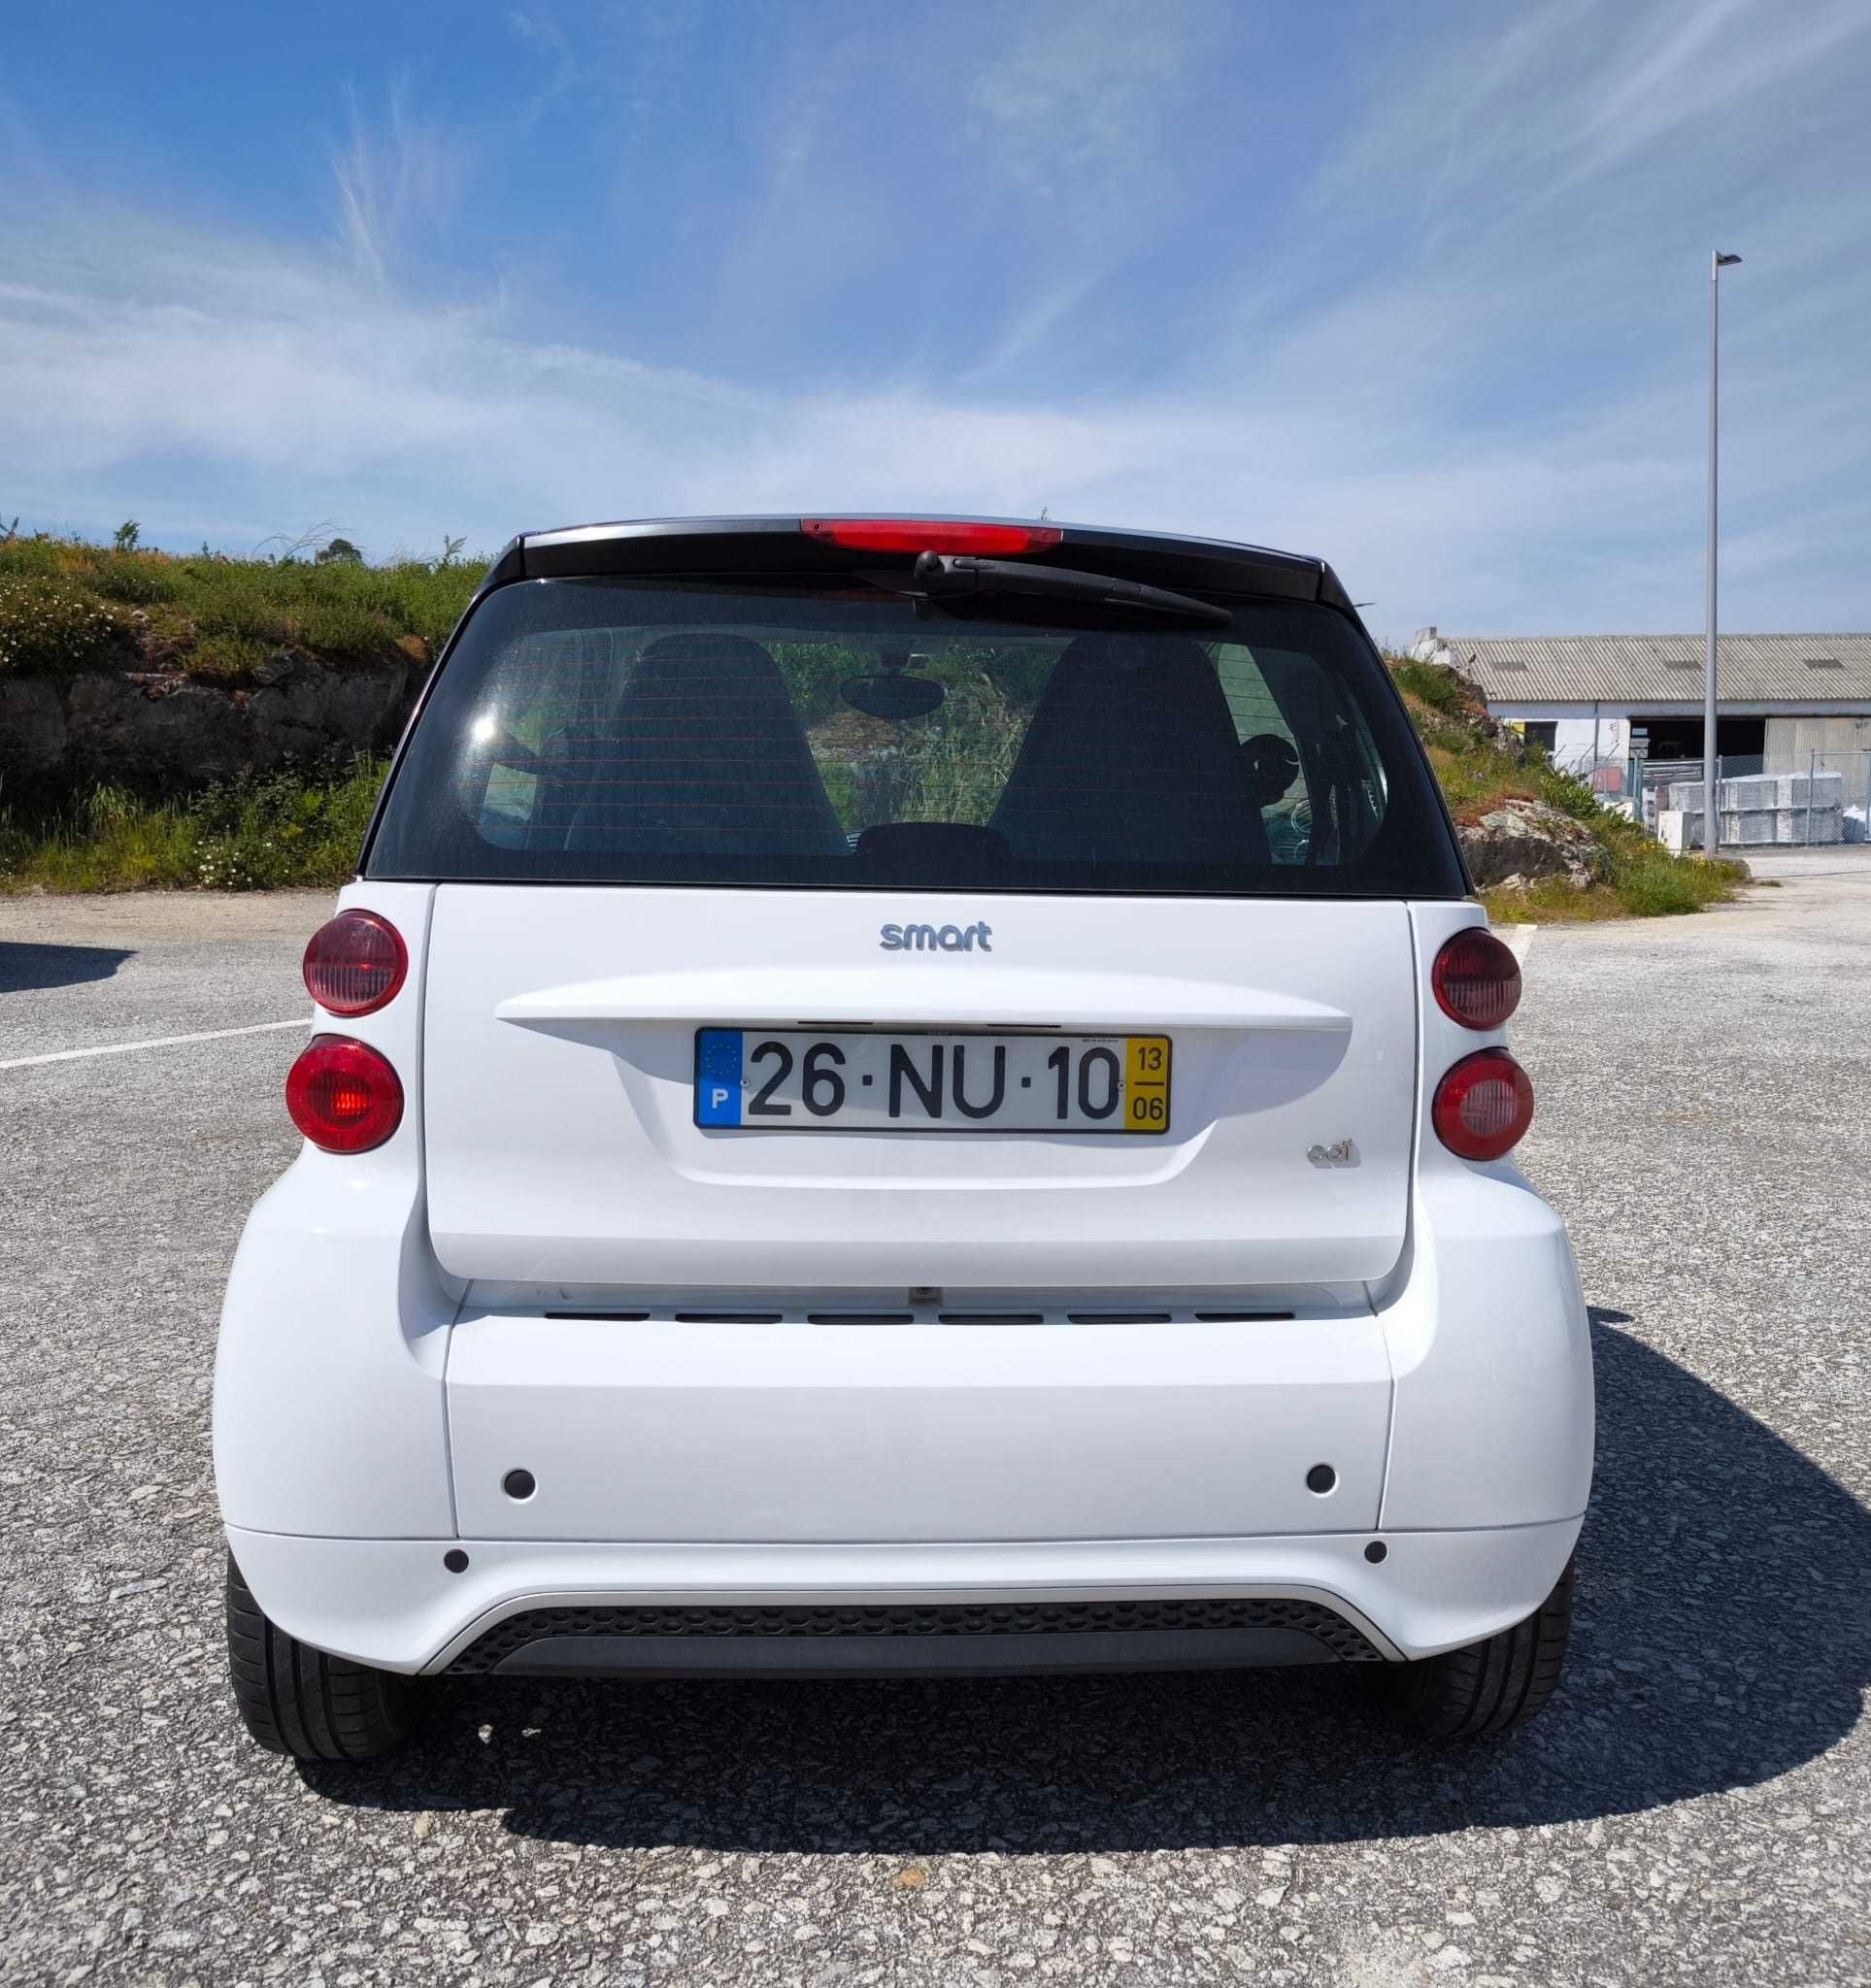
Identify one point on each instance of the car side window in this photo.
(1266, 740)
(542, 695)
(1315, 770)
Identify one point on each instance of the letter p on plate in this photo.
(717, 1077)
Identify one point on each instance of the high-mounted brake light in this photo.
(930, 535)
(1484, 1105)
(343, 1095)
(1477, 979)
(354, 963)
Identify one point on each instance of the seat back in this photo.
(705, 755)
(1132, 757)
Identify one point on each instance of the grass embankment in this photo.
(1478, 772)
(66, 607)
(262, 833)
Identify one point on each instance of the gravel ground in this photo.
(1694, 1807)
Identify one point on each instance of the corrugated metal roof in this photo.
(1665, 669)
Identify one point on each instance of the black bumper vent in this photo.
(1337, 1636)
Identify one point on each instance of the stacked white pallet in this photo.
(1761, 808)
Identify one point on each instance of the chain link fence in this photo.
(1788, 799)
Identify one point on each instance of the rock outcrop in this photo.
(1518, 843)
(156, 731)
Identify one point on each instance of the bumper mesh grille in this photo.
(943, 1619)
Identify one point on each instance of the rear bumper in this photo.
(365, 1419)
(394, 1604)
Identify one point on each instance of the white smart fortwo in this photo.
(902, 1096)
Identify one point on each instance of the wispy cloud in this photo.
(1075, 100)
(392, 177)
(1535, 103)
(1043, 314)
(1470, 371)
(539, 28)
(292, 375)
(1699, 61)
(1075, 108)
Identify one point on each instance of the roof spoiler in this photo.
(801, 546)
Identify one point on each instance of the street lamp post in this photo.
(1711, 819)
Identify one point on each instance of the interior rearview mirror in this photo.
(892, 697)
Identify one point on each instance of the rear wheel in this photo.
(1490, 1686)
(298, 1700)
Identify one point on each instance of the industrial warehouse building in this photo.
(1784, 702)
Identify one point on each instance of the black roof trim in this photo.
(508, 564)
(720, 545)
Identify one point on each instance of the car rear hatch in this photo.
(765, 996)
(563, 1146)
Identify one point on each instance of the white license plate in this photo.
(865, 1080)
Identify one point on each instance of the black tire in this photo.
(298, 1700)
(1488, 1687)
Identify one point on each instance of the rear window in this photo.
(625, 731)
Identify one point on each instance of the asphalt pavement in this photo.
(1694, 1807)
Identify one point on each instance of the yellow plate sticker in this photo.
(1146, 1083)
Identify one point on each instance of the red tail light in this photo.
(343, 1095)
(1484, 1105)
(354, 963)
(1477, 981)
(931, 535)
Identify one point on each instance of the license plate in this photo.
(865, 1081)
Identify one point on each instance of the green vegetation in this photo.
(1646, 882)
(261, 834)
(1479, 764)
(66, 606)
(948, 766)
(1441, 689)
(956, 770)
(51, 628)
(813, 671)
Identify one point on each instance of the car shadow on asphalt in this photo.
(1721, 1639)
(28, 967)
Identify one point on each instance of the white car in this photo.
(902, 1096)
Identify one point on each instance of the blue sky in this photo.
(1421, 288)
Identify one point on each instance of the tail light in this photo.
(343, 1095)
(1482, 1105)
(354, 963)
(1477, 981)
(929, 535)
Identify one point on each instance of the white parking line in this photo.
(258, 1028)
(1519, 941)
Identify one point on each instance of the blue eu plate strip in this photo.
(717, 1077)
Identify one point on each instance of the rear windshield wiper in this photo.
(950, 576)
